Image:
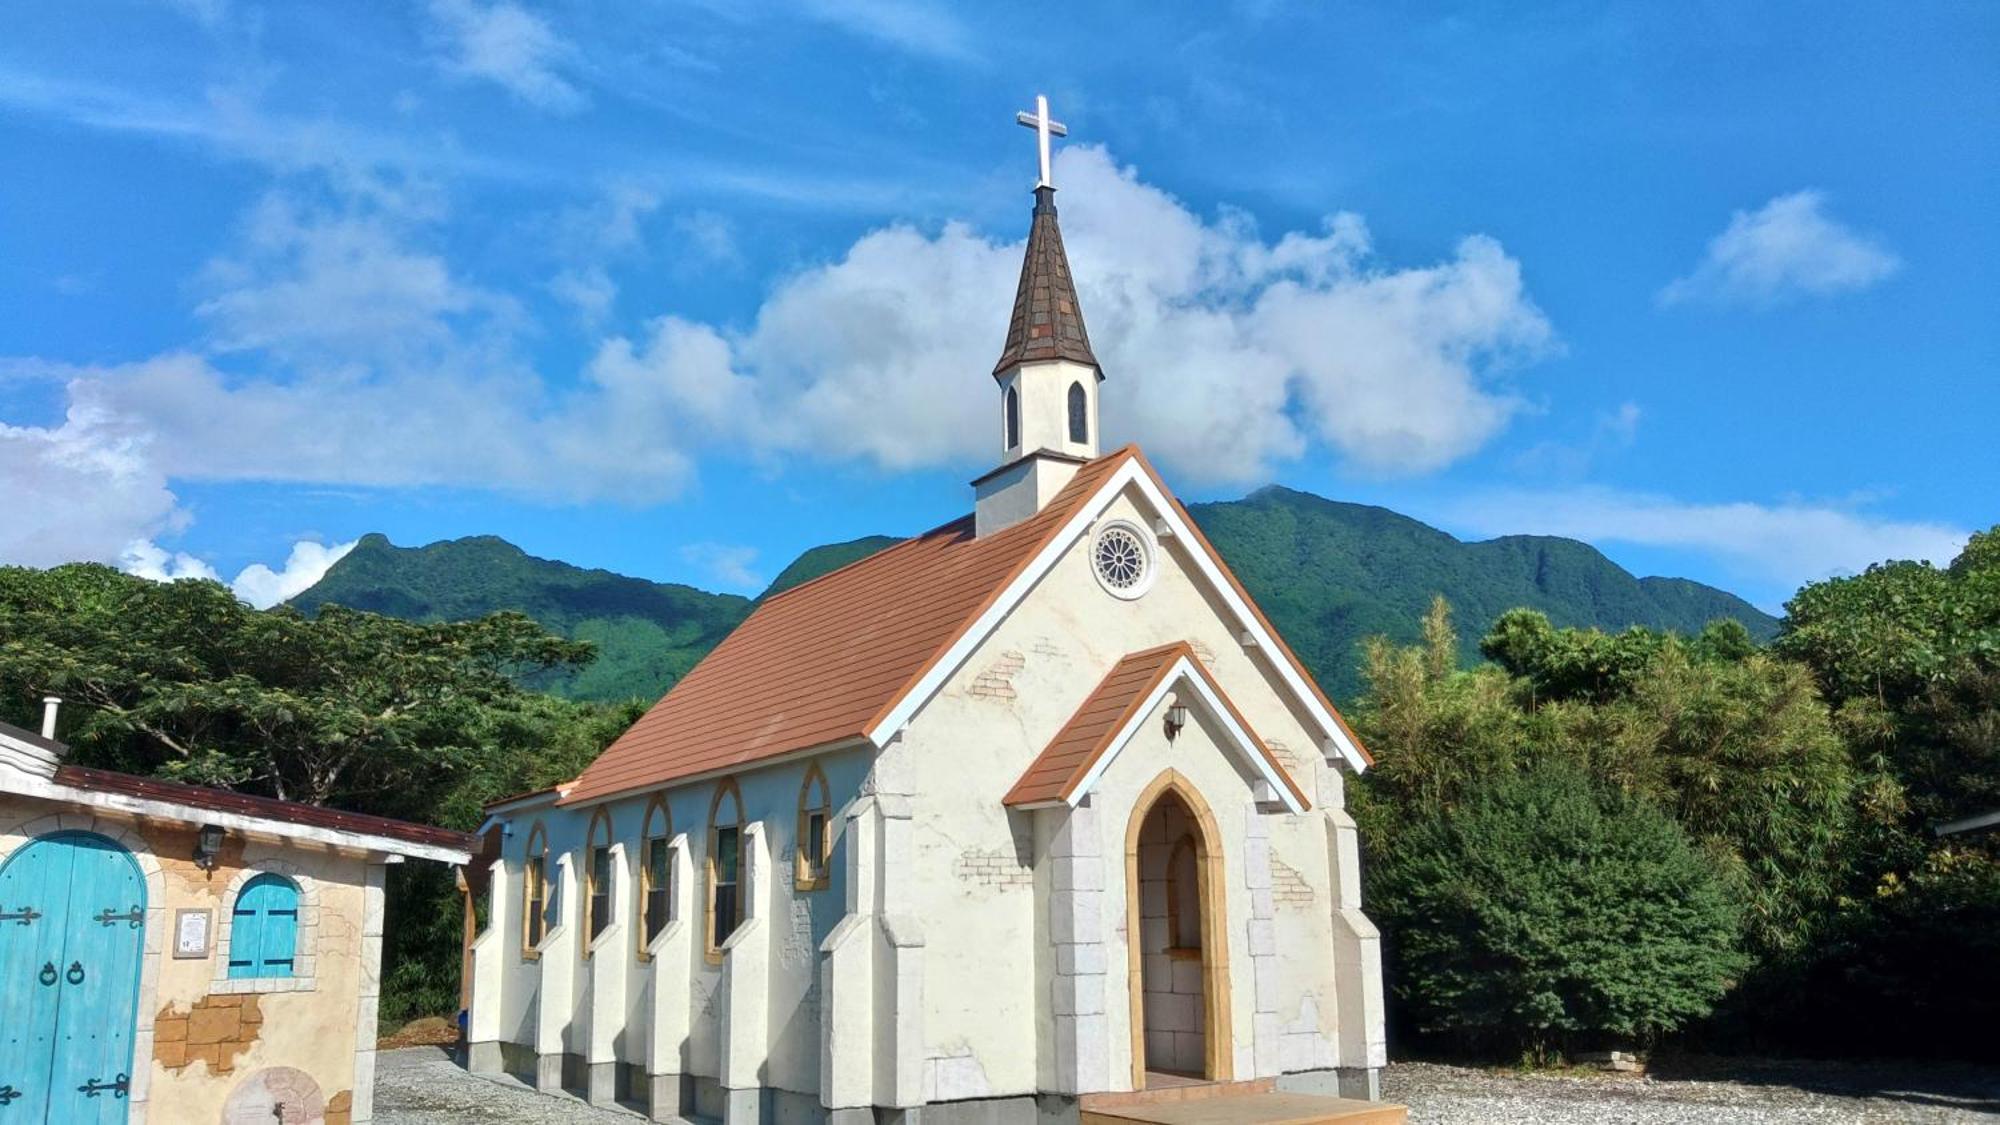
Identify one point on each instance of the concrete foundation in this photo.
(549, 1073)
(489, 1057)
(669, 1097)
(1359, 1083)
(743, 1107)
(600, 1084)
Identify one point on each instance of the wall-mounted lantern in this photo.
(207, 846)
(1177, 715)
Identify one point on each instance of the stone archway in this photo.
(1176, 939)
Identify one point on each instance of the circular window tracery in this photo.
(1123, 559)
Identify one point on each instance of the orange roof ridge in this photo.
(824, 662)
(1091, 732)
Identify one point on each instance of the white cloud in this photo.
(308, 563)
(916, 26)
(1787, 248)
(729, 566)
(148, 559)
(82, 489)
(1786, 544)
(506, 44)
(349, 352)
(257, 584)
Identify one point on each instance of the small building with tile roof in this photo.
(174, 953)
(1028, 808)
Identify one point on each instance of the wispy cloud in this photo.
(1788, 248)
(728, 566)
(1782, 545)
(917, 26)
(510, 46)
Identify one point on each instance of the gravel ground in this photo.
(421, 1086)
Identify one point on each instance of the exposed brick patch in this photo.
(997, 681)
(1203, 653)
(216, 1030)
(993, 868)
(1046, 647)
(1288, 887)
(340, 1108)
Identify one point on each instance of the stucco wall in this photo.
(798, 921)
(967, 747)
(201, 1038)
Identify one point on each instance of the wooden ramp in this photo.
(1185, 1102)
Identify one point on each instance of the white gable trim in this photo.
(1333, 738)
(1184, 674)
(241, 822)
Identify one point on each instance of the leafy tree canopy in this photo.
(183, 680)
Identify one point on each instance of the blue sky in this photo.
(682, 289)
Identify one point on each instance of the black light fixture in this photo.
(1176, 717)
(207, 846)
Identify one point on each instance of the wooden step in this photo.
(1174, 1088)
(1161, 1107)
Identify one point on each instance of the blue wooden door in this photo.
(70, 949)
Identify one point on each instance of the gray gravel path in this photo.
(422, 1086)
(1777, 1093)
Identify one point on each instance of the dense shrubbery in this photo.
(1548, 909)
(1809, 775)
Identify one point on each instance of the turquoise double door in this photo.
(72, 933)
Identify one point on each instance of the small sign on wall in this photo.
(191, 929)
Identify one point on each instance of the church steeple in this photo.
(1047, 373)
(1048, 319)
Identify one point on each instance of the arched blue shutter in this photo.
(264, 928)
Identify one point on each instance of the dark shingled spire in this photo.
(1048, 320)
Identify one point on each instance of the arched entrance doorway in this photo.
(72, 934)
(1176, 942)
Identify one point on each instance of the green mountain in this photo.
(1329, 575)
(648, 634)
(825, 560)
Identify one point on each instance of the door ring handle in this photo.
(48, 973)
(75, 974)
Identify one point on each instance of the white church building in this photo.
(1033, 806)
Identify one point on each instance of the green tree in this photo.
(1550, 910)
(182, 680)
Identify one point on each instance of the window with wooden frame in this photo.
(725, 867)
(1184, 900)
(599, 881)
(535, 893)
(656, 875)
(815, 832)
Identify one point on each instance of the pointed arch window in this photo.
(1079, 414)
(599, 882)
(815, 832)
(656, 875)
(1012, 407)
(264, 928)
(537, 905)
(725, 867)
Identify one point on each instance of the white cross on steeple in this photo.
(1043, 126)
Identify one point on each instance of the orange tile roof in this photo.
(1055, 773)
(823, 662)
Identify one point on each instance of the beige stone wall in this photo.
(202, 1040)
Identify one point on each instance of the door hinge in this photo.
(134, 917)
(118, 1087)
(24, 916)
(8, 1093)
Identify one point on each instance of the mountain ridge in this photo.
(1328, 573)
